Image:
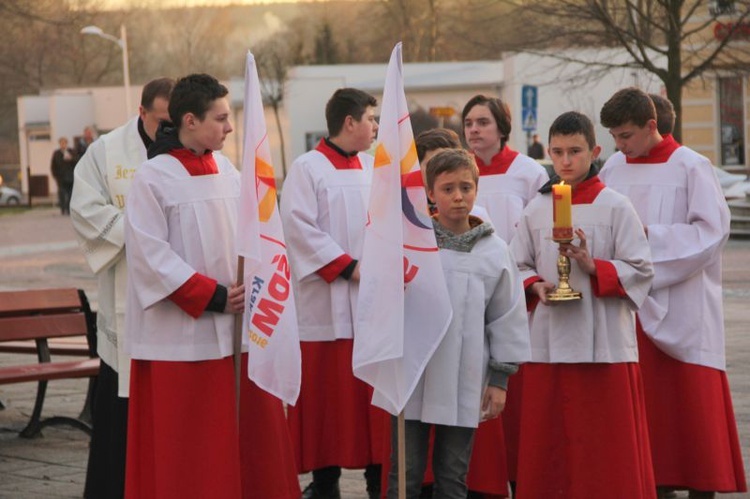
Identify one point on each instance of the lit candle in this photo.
(562, 229)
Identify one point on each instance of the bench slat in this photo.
(55, 347)
(39, 301)
(48, 371)
(42, 326)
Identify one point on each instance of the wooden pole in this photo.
(237, 339)
(401, 456)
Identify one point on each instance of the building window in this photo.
(721, 7)
(732, 120)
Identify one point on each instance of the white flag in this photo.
(270, 320)
(403, 307)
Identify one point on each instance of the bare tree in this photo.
(672, 39)
(274, 57)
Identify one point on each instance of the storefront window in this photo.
(732, 119)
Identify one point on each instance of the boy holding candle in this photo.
(583, 421)
(681, 329)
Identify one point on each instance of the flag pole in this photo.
(401, 456)
(237, 339)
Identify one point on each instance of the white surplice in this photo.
(324, 212)
(177, 225)
(504, 196)
(489, 322)
(682, 205)
(102, 180)
(591, 329)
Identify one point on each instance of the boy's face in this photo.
(454, 193)
(210, 132)
(571, 157)
(480, 130)
(364, 130)
(634, 141)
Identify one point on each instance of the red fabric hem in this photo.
(193, 296)
(606, 283)
(691, 422)
(660, 153)
(333, 423)
(532, 299)
(330, 272)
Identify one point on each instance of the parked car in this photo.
(9, 196)
(734, 185)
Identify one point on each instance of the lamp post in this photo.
(122, 42)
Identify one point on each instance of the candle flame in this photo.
(562, 182)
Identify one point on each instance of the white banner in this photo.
(270, 320)
(403, 307)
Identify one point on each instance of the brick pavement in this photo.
(38, 249)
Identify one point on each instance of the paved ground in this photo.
(38, 249)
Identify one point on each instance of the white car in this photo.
(9, 196)
(734, 185)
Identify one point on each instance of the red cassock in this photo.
(182, 431)
(691, 423)
(583, 432)
(333, 423)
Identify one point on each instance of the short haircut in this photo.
(194, 94)
(572, 123)
(160, 87)
(450, 160)
(346, 102)
(629, 105)
(665, 115)
(499, 110)
(437, 138)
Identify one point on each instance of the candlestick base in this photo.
(563, 292)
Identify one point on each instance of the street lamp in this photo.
(122, 42)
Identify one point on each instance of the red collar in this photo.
(660, 153)
(499, 163)
(586, 191)
(196, 165)
(338, 158)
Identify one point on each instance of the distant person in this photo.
(685, 217)
(63, 164)
(103, 178)
(665, 115)
(85, 141)
(583, 422)
(536, 149)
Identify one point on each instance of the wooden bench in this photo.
(44, 322)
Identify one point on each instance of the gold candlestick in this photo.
(563, 292)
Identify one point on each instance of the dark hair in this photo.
(450, 160)
(573, 123)
(437, 138)
(665, 115)
(160, 87)
(629, 105)
(499, 111)
(346, 102)
(194, 94)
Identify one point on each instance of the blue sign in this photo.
(529, 98)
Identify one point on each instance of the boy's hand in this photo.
(235, 299)
(493, 402)
(579, 253)
(542, 289)
(355, 274)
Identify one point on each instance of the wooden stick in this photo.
(237, 339)
(401, 456)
